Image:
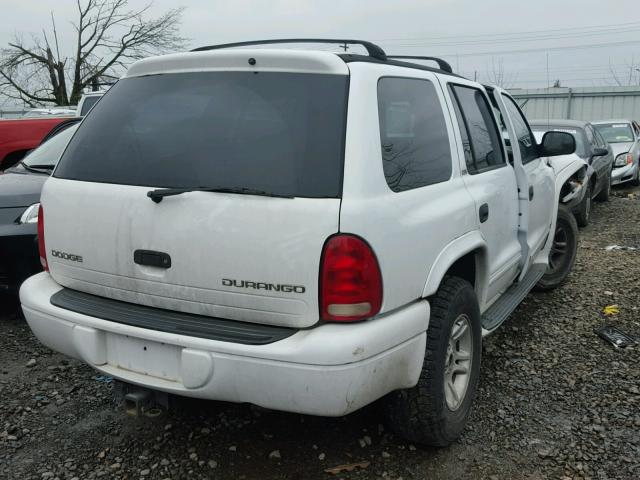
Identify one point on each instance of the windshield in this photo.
(282, 133)
(615, 132)
(48, 153)
(581, 148)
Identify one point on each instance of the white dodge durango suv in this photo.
(301, 230)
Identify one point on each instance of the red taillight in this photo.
(350, 280)
(41, 247)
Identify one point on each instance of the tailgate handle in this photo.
(152, 259)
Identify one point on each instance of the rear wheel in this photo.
(584, 209)
(563, 251)
(436, 410)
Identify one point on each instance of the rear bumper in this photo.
(330, 370)
(623, 174)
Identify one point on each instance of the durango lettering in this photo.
(277, 287)
(66, 256)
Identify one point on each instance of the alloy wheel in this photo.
(457, 367)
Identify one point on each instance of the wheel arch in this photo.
(464, 257)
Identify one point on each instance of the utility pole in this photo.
(475, 75)
(344, 46)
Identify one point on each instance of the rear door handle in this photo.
(530, 192)
(483, 212)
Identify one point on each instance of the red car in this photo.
(18, 137)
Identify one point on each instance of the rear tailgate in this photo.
(199, 123)
(240, 257)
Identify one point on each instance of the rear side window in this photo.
(413, 134)
(278, 132)
(480, 137)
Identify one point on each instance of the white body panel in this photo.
(398, 226)
(224, 236)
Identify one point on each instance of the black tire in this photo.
(603, 195)
(636, 180)
(583, 211)
(563, 252)
(421, 414)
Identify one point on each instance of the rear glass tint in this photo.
(413, 134)
(278, 132)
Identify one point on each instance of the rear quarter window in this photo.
(413, 134)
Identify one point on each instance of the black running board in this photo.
(509, 301)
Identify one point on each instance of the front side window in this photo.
(526, 141)
(480, 136)
(413, 134)
(599, 139)
(278, 132)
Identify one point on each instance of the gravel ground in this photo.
(555, 401)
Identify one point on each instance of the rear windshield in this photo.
(615, 132)
(278, 132)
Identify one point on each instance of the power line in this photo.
(518, 33)
(521, 39)
(537, 49)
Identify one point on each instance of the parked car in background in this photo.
(624, 138)
(593, 150)
(19, 136)
(20, 188)
(87, 102)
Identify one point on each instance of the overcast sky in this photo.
(488, 38)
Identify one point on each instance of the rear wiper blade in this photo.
(158, 194)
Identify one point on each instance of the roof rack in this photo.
(443, 65)
(372, 49)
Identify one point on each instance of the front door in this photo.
(540, 188)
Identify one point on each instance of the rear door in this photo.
(491, 182)
(245, 257)
(540, 188)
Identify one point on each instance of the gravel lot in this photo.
(555, 401)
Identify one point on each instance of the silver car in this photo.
(624, 138)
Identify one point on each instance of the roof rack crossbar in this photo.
(443, 65)
(372, 49)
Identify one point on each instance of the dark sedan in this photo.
(20, 188)
(594, 149)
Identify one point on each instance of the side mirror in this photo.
(600, 152)
(557, 143)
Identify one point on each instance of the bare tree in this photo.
(497, 76)
(108, 35)
(627, 76)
